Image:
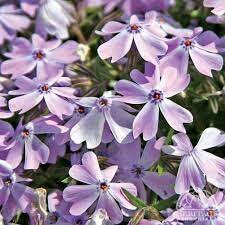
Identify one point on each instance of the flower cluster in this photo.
(96, 100)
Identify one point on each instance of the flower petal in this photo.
(82, 197)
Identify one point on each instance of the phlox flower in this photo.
(4, 113)
(154, 90)
(54, 17)
(32, 92)
(106, 118)
(197, 165)
(46, 57)
(209, 210)
(14, 195)
(25, 138)
(98, 187)
(62, 138)
(30, 6)
(143, 33)
(218, 5)
(59, 211)
(11, 21)
(134, 165)
(201, 47)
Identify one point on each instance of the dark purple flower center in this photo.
(104, 186)
(211, 213)
(7, 181)
(156, 96)
(38, 55)
(79, 222)
(137, 170)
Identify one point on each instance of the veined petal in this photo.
(117, 47)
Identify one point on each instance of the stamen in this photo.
(134, 27)
(103, 102)
(156, 96)
(104, 186)
(25, 133)
(38, 55)
(7, 181)
(45, 88)
(80, 110)
(187, 43)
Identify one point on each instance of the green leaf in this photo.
(164, 204)
(169, 136)
(134, 200)
(67, 180)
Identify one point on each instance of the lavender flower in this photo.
(107, 118)
(24, 137)
(3, 103)
(205, 210)
(54, 17)
(197, 165)
(153, 89)
(14, 195)
(218, 5)
(11, 21)
(34, 91)
(134, 167)
(47, 57)
(62, 138)
(148, 44)
(99, 187)
(202, 48)
(59, 211)
(30, 6)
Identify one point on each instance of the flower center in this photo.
(138, 170)
(103, 102)
(156, 96)
(134, 28)
(187, 43)
(211, 213)
(7, 181)
(104, 186)
(78, 222)
(25, 133)
(38, 55)
(80, 110)
(45, 88)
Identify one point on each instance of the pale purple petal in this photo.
(175, 115)
(146, 121)
(117, 47)
(116, 191)
(205, 61)
(149, 46)
(89, 129)
(58, 106)
(162, 185)
(25, 102)
(211, 137)
(82, 197)
(80, 173)
(109, 204)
